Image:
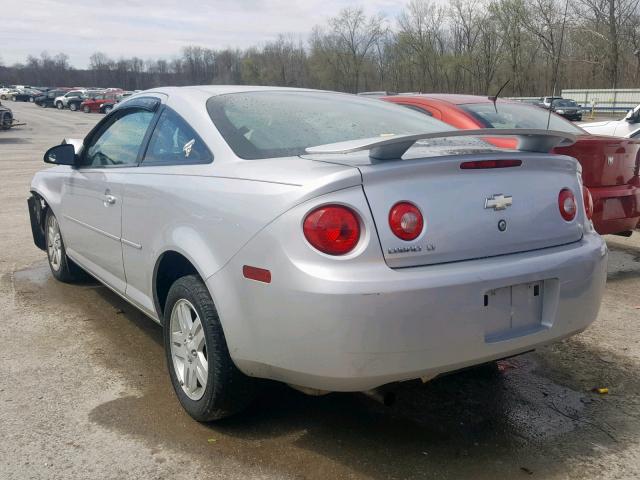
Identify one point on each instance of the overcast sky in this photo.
(158, 28)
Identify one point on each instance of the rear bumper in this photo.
(616, 209)
(318, 329)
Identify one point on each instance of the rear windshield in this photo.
(279, 123)
(514, 115)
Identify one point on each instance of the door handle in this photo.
(109, 200)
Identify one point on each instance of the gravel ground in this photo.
(85, 392)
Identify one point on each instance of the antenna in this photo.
(494, 98)
(557, 66)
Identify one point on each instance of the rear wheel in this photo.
(86, 109)
(73, 107)
(59, 105)
(205, 379)
(62, 267)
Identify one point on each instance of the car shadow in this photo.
(533, 413)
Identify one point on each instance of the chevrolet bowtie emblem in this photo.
(498, 201)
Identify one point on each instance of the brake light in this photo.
(588, 202)
(332, 229)
(479, 164)
(405, 220)
(567, 204)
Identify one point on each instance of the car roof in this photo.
(206, 91)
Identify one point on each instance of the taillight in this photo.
(405, 220)
(483, 164)
(588, 202)
(332, 229)
(567, 204)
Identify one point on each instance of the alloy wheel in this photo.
(189, 349)
(54, 243)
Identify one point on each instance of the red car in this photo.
(93, 104)
(609, 164)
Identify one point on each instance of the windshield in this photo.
(514, 115)
(271, 124)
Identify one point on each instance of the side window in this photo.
(120, 141)
(175, 142)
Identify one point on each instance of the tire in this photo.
(3, 97)
(107, 110)
(59, 106)
(62, 267)
(73, 107)
(86, 109)
(31, 99)
(219, 389)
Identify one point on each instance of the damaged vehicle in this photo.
(6, 118)
(328, 241)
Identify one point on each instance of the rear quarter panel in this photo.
(208, 216)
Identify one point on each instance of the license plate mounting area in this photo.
(514, 311)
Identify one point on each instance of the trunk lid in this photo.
(457, 226)
(606, 161)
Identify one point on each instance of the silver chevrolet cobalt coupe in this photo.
(324, 240)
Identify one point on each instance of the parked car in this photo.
(6, 117)
(628, 127)
(26, 95)
(61, 102)
(296, 235)
(568, 109)
(48, 99)
(109, 105)
(6, 93)
(94, 104)
(609, 165)
(75, 103)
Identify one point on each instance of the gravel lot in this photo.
(85, 393)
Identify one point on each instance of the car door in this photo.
(92, 195)
(173, 145)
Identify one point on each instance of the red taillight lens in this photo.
(567, 204)
(332, 229)
(405, 220)
(588, 202)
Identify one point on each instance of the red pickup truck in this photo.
(609, 164)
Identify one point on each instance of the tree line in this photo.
(466, 46)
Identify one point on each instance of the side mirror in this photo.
(61, 155)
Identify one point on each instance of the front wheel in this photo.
(107, 110)
(205, 379)
(62, 267)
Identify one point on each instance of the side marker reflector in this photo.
(255, 273)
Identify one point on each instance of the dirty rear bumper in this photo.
(312, 329)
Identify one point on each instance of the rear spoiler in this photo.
(394, 146)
